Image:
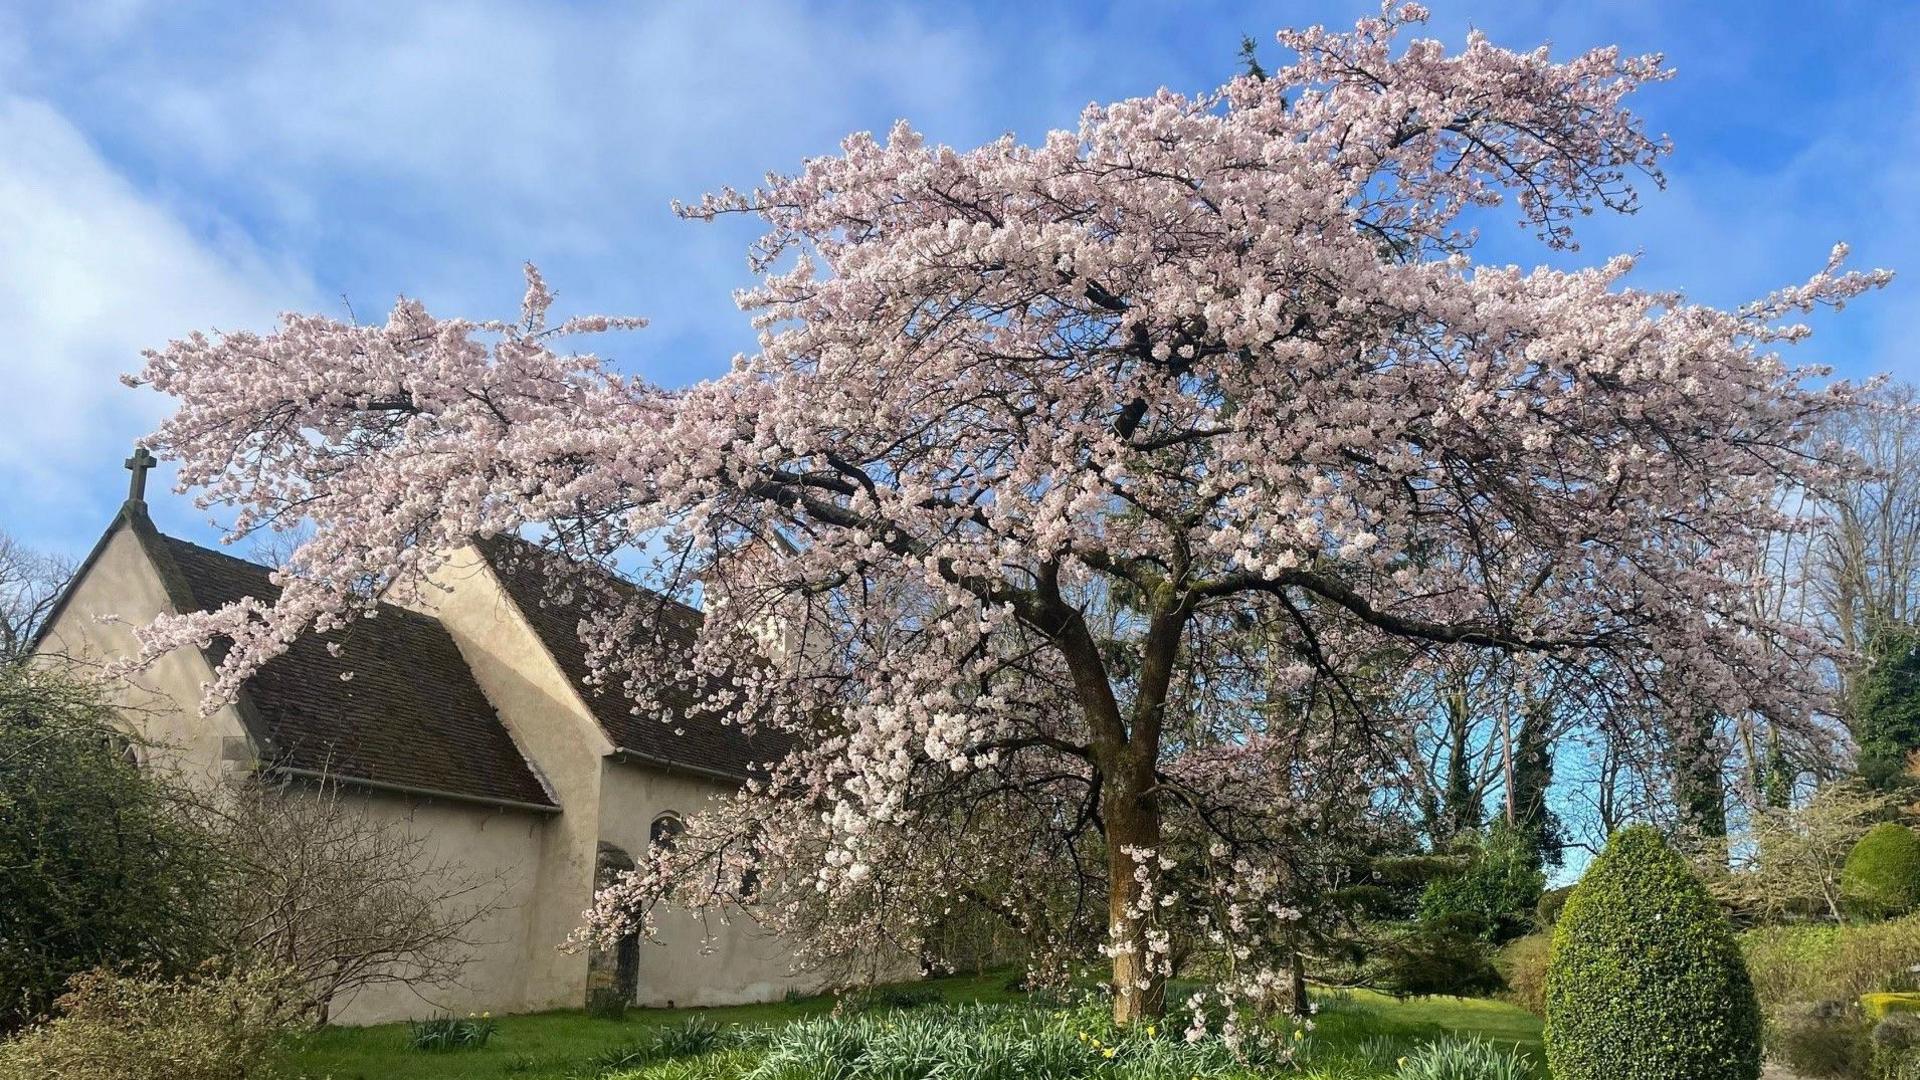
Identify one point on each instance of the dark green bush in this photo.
(1448, 956)
(99, 866)
(1395, 883)
(1374, 901)
(1882, 875)
(1499, 887)
(1645, 980)
(1547, 912)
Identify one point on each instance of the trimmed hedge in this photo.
(1437, 958)
(1882, 874)
(1645, 980)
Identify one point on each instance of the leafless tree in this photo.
(1611, 780)
(1791, 863)
(1866, 560)
(342, 897)
(275, 546)
(1449, 755)
(30, 583)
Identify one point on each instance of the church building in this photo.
(469, 717)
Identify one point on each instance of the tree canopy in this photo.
(1069, 481)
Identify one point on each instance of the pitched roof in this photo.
(699, 743)
(411, 719)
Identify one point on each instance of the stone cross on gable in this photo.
(138, 464)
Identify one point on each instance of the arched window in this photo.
(122, 746)
(666, 831)
(617, 972)
(750, 877)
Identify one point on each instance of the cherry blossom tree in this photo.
(1085, 463)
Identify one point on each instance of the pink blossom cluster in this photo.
(1034, 433)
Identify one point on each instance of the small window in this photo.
(666, 831)
(123, 747)
(610, 863)
(750, 877)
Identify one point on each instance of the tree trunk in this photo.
(1126, 752)
(1529, 782)
(1699, 787)
(1297, 970)
(1461, 801)
(1779, 776)
(1133, 825)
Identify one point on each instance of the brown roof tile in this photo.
(702, 743)
(411, 717)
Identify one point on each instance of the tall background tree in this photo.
(30, 582)
(1046, 450)
(1865, 577)
(1884, 706)
(1867, 554)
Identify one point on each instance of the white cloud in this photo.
(91, 272)
(431, 148)
(527, 105)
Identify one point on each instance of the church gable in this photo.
(410, 716)
(410, 719)
(397, 709)
(117, 588)
(401, 709)
(702, 745)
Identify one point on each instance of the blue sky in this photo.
(172, 166)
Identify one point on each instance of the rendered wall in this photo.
(500, 851)
(693, 962)
(553, 729)
(161, 705)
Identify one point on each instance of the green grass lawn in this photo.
(548, 1046)
(553, 1046)
(1353, 1022)
(1427, 1017)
